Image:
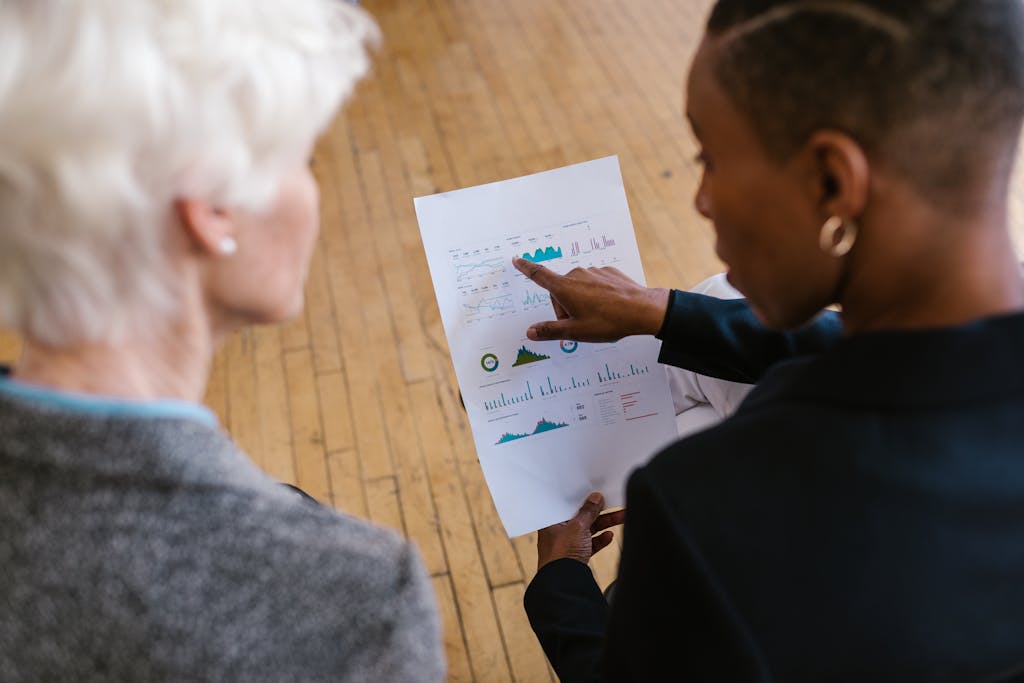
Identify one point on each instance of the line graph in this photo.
(502, 302)
(536, 298)
(481, 268)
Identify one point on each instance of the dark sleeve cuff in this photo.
(668, 314)
(723, 338)
(569, 615)
(560, 576)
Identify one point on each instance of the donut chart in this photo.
(489, 362)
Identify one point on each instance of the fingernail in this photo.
(594, 498)
(532, 334)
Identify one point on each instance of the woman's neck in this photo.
(174, 364)
(932, 270)
(122, 371)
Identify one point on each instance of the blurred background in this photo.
(356, 401)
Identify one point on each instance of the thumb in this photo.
(540, 275)
(590, 510)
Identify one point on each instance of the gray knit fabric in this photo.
(151, 549)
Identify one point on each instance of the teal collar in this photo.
(105, 405)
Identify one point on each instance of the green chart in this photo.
(526, 356)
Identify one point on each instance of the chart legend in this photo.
(633, 407)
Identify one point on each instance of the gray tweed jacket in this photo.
(151, 549)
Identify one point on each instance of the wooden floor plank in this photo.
(382, 504)
(420, 513)
(354, 313)
(472, 591)
(335, 415)
(295, 333)
(459, 670)
(216, 396)
(307, 434)
(272, 395)
(243, 402)
(529, 665)
(396, 239)
(347, 492)
(500, 559)
(320, 318)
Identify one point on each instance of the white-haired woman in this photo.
(155, 196)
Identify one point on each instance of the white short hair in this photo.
(110, 109)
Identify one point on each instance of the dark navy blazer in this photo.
(860, 518)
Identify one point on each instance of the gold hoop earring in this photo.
(846, 231)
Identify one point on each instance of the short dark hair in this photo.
(925, 86)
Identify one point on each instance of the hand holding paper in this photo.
(581, 537)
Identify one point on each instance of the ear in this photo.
(205, 225)
(840, 173)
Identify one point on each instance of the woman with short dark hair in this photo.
(860, 517)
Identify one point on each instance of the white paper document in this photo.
(552, 421)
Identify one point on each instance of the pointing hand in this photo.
(595, 304)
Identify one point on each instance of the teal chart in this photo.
(551, 420)
(542, 426)
(547, 386)
(545, 254)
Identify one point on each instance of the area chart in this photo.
(542, 426)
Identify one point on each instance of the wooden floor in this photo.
(356, 402)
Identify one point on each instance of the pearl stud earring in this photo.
(228, 246)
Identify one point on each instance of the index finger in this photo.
(537, 273)
(608, 519)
